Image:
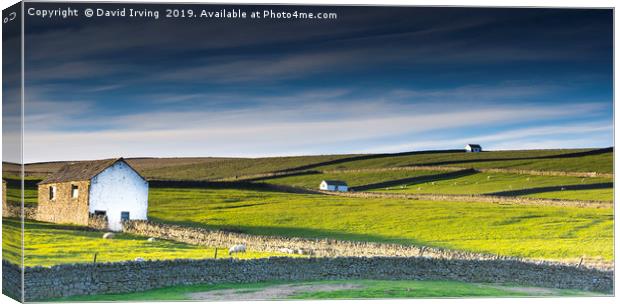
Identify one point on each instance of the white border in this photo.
(471, 3)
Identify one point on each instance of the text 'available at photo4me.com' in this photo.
(184, 12)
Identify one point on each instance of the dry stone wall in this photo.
(98, 222)
(43, 283)
(484, 170)
(313, 247)
(12, 209)
(478, 198)
(272, 175)
(547, 173)
(12, 280)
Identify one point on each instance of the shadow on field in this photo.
(365, 157)
(309, 172)
(28, 183)
(552, 189)
(34, 225)
(417, 180)
(242, 185)
(307, 233)
(479, 160)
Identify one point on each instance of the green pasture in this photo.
(368, 289)
(14, 195)
(524, 160)
(13, 190)
(594, 194)
(353, 179)
(49, 244)
(488, 183)
(229, 168)
(556, 233)
(11, 240)
(209, 168)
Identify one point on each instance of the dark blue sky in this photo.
(374, 80)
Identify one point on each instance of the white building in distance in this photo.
(334, 185)
(473, 148)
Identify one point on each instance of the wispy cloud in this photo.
(281, 131)
(410, 78)
(597, 134)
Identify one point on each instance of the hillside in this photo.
(212, 168)
(260, 197)
(542, 232)
(575, 160)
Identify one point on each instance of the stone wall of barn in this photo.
(64, 209)
(43, 283)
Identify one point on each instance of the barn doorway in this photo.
(124, 216)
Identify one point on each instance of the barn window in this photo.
(74, 191)
(124, 216)
(52, 193)
(100, 213)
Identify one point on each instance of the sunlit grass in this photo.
(488, 183)
(595, 194)
(50, 244)
(524, 160)
(558, 233)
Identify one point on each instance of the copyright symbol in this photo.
(88, 12)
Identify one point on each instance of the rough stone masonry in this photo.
(42, 283)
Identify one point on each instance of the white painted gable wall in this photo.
(116, 189)
(325, 186)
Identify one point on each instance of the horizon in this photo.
(375, 80)
(307, 155)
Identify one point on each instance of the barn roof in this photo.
(335, 182)
(82, 171)
(474, 145)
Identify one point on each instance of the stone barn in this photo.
(334, 185)
(93, 190)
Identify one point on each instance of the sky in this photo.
(377, 79)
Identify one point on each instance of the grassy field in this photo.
(353, 179)
(189, 168)
(13, 191)
(209, 168)
(51, 244)
(488, 183)
(596, 163)
(365, 289)
(527, 160)
(234, 167)
(558, 233)
(14, 195)
(11, 240)
(595, 194)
